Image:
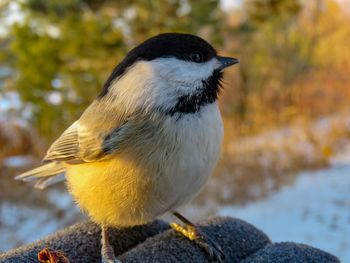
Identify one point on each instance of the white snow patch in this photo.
(21, 224)
(18, 230)
(315, 210)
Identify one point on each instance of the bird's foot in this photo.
(107, 255)
(193, 233)
(107, 252)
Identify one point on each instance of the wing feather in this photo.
(75, 145)
(66, 147)
(86, 139)
(80, 144)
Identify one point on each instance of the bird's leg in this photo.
(107, 252)
(193, 232)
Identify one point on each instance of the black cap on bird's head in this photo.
(185, 47)
(181, 46)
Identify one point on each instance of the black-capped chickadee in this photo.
(148, 143)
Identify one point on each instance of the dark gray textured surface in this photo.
(81, 242)
(287, 252)
(237, 238)
(240, 241)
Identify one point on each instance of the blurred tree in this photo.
(262, 11)
(273, 52)
(63, 50)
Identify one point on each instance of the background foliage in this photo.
(61, 52)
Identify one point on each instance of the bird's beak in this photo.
(225, 62)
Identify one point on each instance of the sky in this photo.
(229, 4)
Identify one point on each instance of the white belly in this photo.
(131, 189)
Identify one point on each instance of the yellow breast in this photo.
(112, 192)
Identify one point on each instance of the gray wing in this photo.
(66, 147)
(100, 131)
(76, 145)
(91, 138)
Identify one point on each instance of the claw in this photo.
(187, 231)
(193, 233)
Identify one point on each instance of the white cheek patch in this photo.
(176, 70)
(159, 83)
(180, 77)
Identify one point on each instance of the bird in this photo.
(148, 142)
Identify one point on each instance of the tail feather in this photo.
(45, 175)
(42, 183)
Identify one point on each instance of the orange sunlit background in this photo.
(285, 164)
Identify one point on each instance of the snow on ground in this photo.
(21, 224)
(314, 210)
(19, 231)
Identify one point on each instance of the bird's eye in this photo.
(196, 57)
